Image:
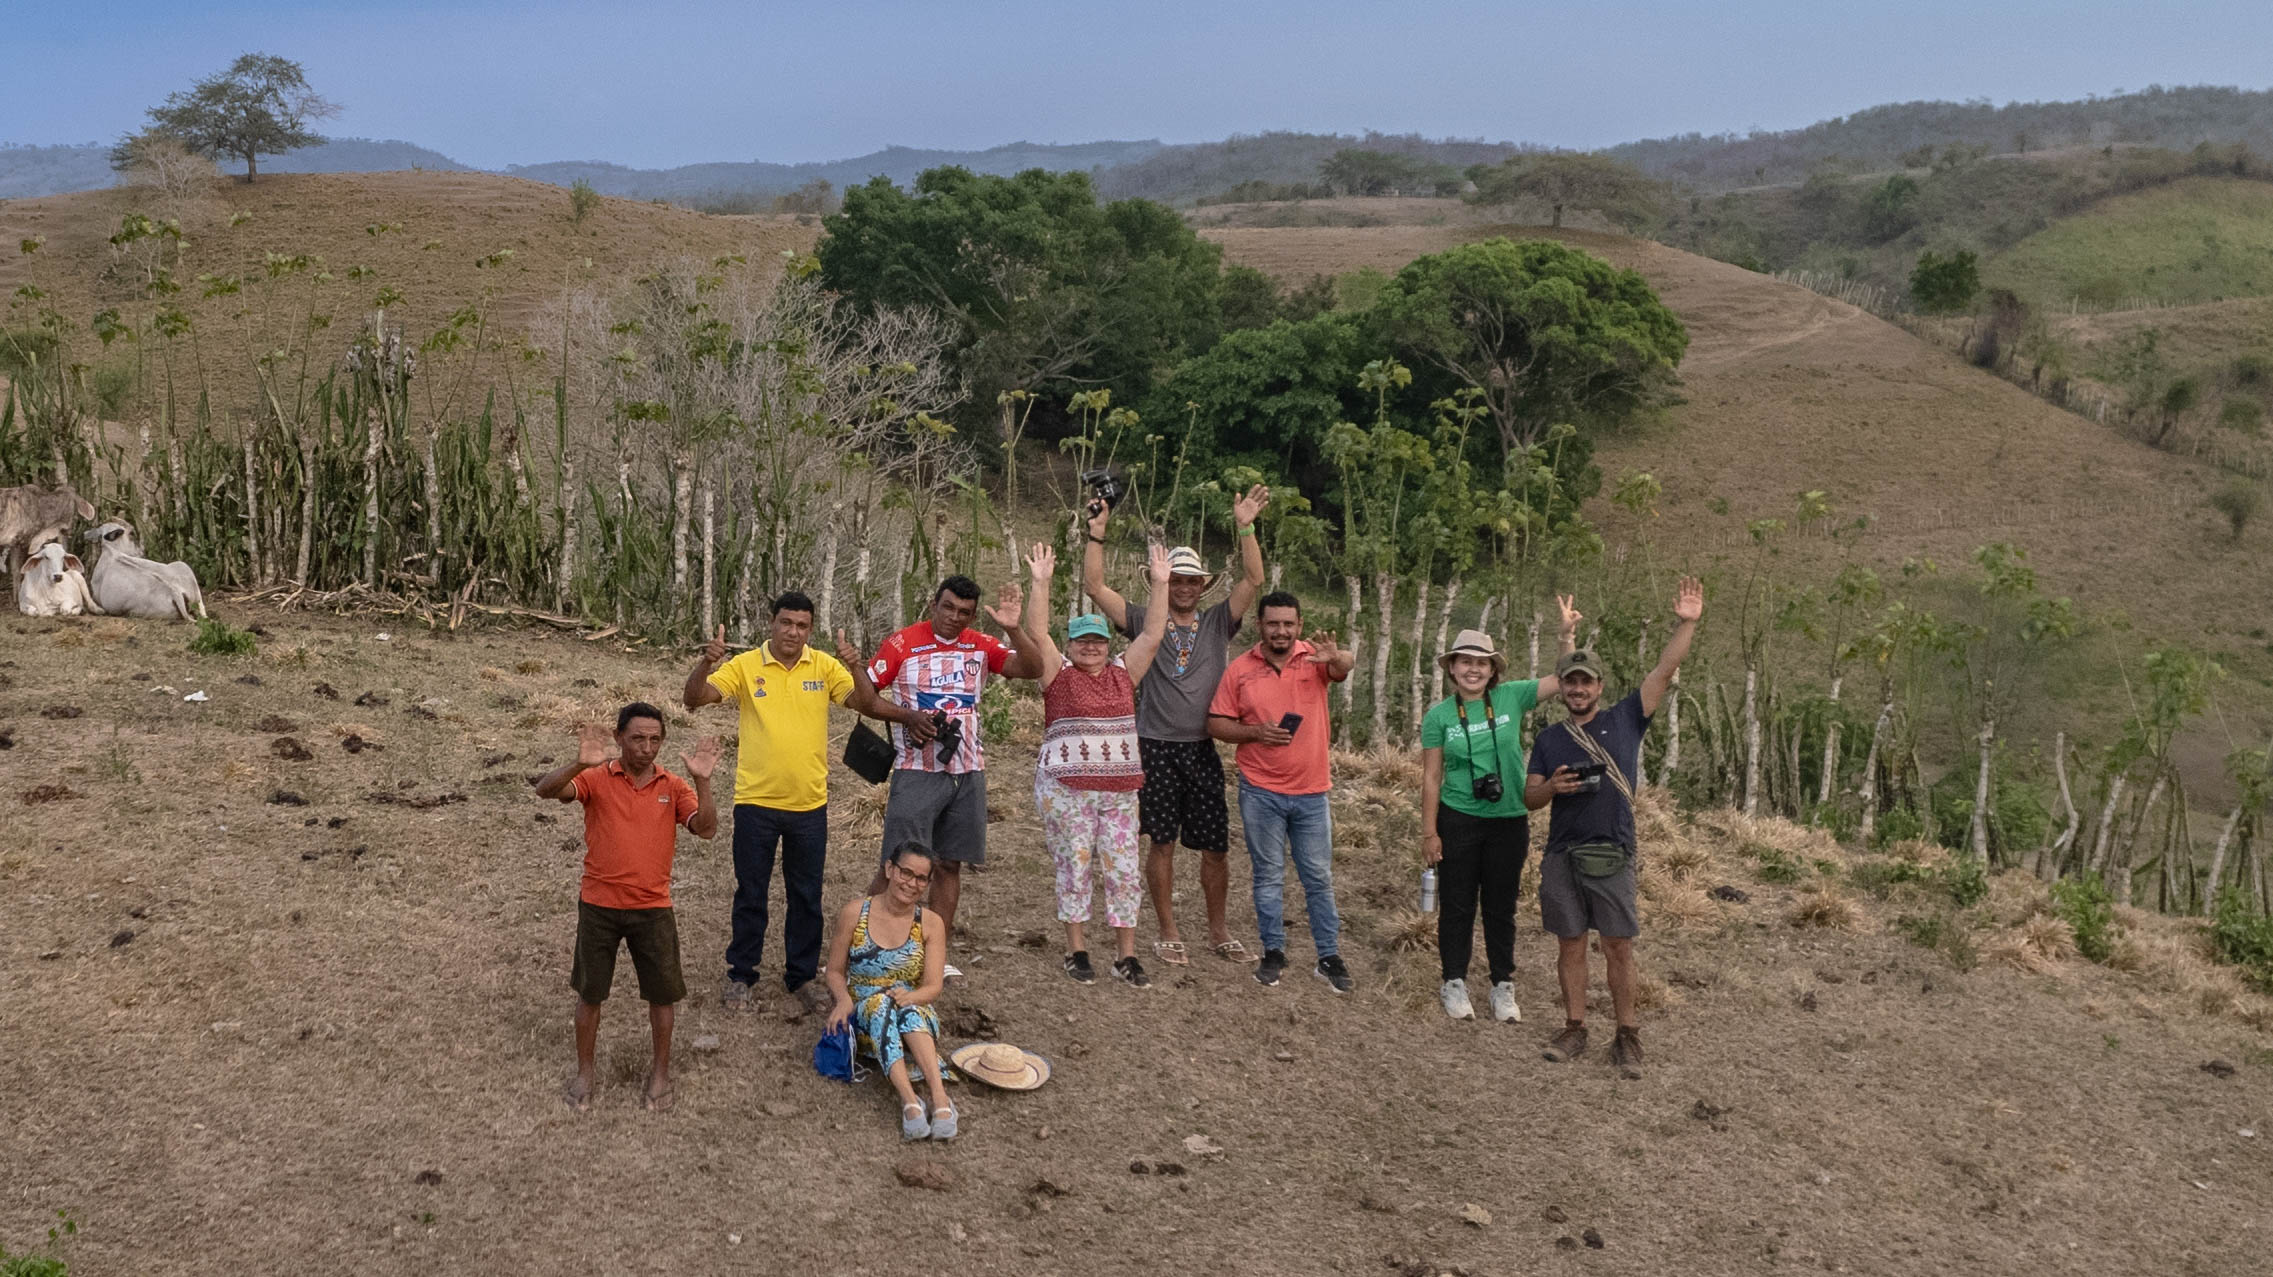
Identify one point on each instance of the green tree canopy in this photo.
(1568, 179)
(1264, 397)
(1944, 284)
(1051, 291)
(1548, 333)
(261, 105)
(1357, 171)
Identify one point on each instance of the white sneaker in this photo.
(1455, 998)
(1504, 1008)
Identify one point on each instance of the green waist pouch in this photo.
(1599, 859)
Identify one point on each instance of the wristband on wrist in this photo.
(1247, 529)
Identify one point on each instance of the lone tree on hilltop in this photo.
(261, 105)
(1570, 179)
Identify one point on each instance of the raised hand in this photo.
(714, 651)
(1248, 507)
(1097, 512)
(701, 763)
(1042, 564)
(1571, 615)
(1156, 566)
(1009, 605)
(1689, 604)
(592, 744)
(846, 652)
(1323, 648)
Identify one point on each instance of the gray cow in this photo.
(31, 517)
(127, 584)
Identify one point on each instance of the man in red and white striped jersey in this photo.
(939, 786)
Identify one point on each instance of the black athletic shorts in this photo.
(1183, 794)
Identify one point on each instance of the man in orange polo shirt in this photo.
(632, 813)
(1272, 705)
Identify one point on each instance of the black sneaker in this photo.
(1335, 973)
(1077, 966)
(1131, 970)
(1267, 971)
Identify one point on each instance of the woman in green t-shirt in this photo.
(1476, 832)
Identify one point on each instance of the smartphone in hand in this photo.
(1289, 722)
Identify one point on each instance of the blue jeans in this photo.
(803, 839)
(1274, 822)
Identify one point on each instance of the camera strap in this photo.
(1460, 707)
(1595, 751)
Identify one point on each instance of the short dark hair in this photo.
(792, 601)
(960, 586)
(910, 847)
(639, 709)
(1277, 598)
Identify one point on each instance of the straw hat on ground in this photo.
(1002, 1065)
(1475, 643)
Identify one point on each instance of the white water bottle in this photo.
(1428, 890)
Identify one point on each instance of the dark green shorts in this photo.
(653, 936)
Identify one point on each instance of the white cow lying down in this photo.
(52, 584)
(126, 584)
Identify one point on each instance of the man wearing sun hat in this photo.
(1183, 797)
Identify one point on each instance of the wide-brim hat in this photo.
(1001, 1065)
(1474, 643)
(1186, 561)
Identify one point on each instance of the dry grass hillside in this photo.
(267, 1013)
(437, 225)
(1788, 391)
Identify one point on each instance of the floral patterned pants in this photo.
(1091, 833)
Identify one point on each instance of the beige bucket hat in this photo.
(1002, 1065)
(1475, 643)
(1186, 561)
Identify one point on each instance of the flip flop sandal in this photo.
(660, 1103)
(1170, 952)
(1233, 951)
(576, 1096)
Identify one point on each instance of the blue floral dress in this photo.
(872, 972)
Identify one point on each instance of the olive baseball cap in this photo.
(1580, 661)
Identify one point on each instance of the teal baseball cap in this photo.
(1089, 626)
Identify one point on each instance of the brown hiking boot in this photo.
(1626, 1051)
(1567, 1045)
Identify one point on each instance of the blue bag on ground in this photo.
(833, 1056)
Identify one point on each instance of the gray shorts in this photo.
(1572, 904)
(946, 812)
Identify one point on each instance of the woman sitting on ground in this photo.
(887, 960)
(1086, 783)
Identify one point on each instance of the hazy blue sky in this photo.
(492, 83)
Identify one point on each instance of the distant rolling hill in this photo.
(30, 171)
(2195, 240)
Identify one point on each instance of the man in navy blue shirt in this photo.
(1586, 766)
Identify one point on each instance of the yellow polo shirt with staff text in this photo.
(783, 759)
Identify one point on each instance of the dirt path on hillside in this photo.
(262, 1015)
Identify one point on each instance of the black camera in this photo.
(1589, 777)
(1487, 788)
(1103, 486)
(948, 736)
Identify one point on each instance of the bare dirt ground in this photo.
(245, 1033)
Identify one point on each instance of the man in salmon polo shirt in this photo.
(1272, 705)
(632, 813)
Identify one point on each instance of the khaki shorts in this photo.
(1572, 904)
(651, 934)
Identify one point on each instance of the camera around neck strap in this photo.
(1596, 752)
